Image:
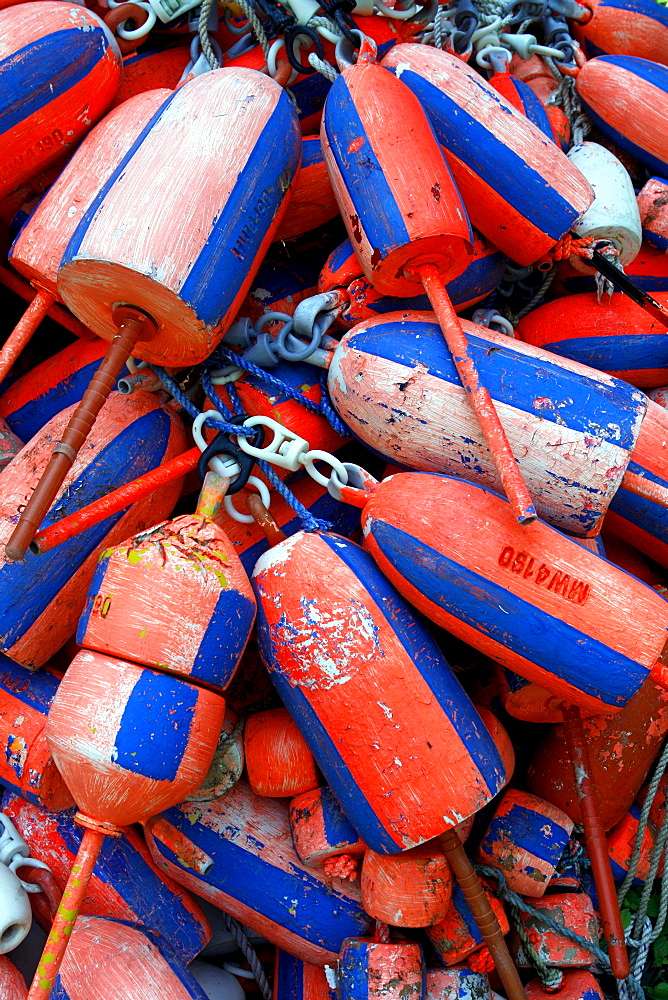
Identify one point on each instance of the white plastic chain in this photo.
(15, 853)
(289, 451)
(228, 467)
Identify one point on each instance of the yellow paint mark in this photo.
(142, 634)
(133, 556)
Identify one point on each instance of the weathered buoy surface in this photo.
(41, 597)
(320, 829)
(460, 983)
(372, 664)
(27, 764)
(571, 909)
(126, 883)
(369, 970)
(578, 984)
(199, 624)
(457, 936)
(518, 187)
(297, 980)
(614, 335)
(624, 28)
(196, 234)
(313, 202)
(64, 62)
(237, 852)
(394, 383)
(12, 984)
(627, 99)
(130, 741)
(525, 839)
(649, 270)
(528, 597)
(653, 208)
(409, 889)
(278, 761)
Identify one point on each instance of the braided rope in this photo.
(256, 25)
(542, 290)
(203, 32)
(249, 953)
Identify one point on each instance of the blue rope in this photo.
(307, 520)
(175, 390)
(324, 408)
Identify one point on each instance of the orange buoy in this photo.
(571, 909)
(410, 889)
(457, 936)
(320, 829)
(278, 761)
(371, 970)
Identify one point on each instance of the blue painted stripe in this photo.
(340, 258)
(311, 152)
(533, 108)
(44, 70)
(530, 831)
(522, 187)
(363, 175)
(236, 236)
(29, 419)
(657, 241)
(154, 730)
(337, 828)
(79, 233)
(651, 162)
(93, 590)
(27, 587)
(312, 91)
(620, 352)
(560, 649)
(481, 277)
(321, 915)
(289, 977)
(647, 8)
(513, 680)
(607, 412)
(225, 638)
(428, 660)
(464, 910)
(353, 972)
(36, 688)
(643, 513)
(344, 519)
(280, 281)
(327, 754)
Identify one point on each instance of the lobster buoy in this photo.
(516, 593)
(570, 909)
(369, 970)
(457, 936)
(226, 228)
(64, 62)
(278, 761)
(649, 270)
(525, 839)
(622, 747)
(481, 276)
(394, 383)
(622, 844)
(613, 216)
(614, 335)
(517, 185)
(623, 28)
(527, 701)
(27, 765)
(320, 829)
(410, 889)
(537, 75)
(297, 980)
(236, 852)
(36, 397)
(200, 625)
(626, 98)
(653, 207)
(126, 885)
(460, 983)
(151, 69)
(12, 984)
(441, 764)
(111, 958)
(523, 99)
(577, 984)
(313, 202)
(41, 597)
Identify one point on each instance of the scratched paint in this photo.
(41, 597)
(525, 839)
(410, 889)
(578, 984)
(622, 748)
(126, 883)
(169, 267)
(621, 843)
(460, 983)
(106, 959)
(457, 936)
(520, 190)
(12, 984)
(278, 761)
(573, 910)
(66, 66)
(255, 874)
(653, 207)
(572, 429)
(39, 247)
(625, 28)
(529, 597)
(396, 206)
(297, 980)
(335, 638)
(320, 829)
(130, 741)
(371, 970)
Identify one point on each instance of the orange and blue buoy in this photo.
(623, 28)
(374, 970)
(297, 980)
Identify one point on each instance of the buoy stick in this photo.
(61, 531)
(643, 487)
(57, 312)
(483, 913)
(133, 326)
(67, 913)
(264, 520)
(627, 285)
(480, 399)
(597, 845)
(24, 330)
